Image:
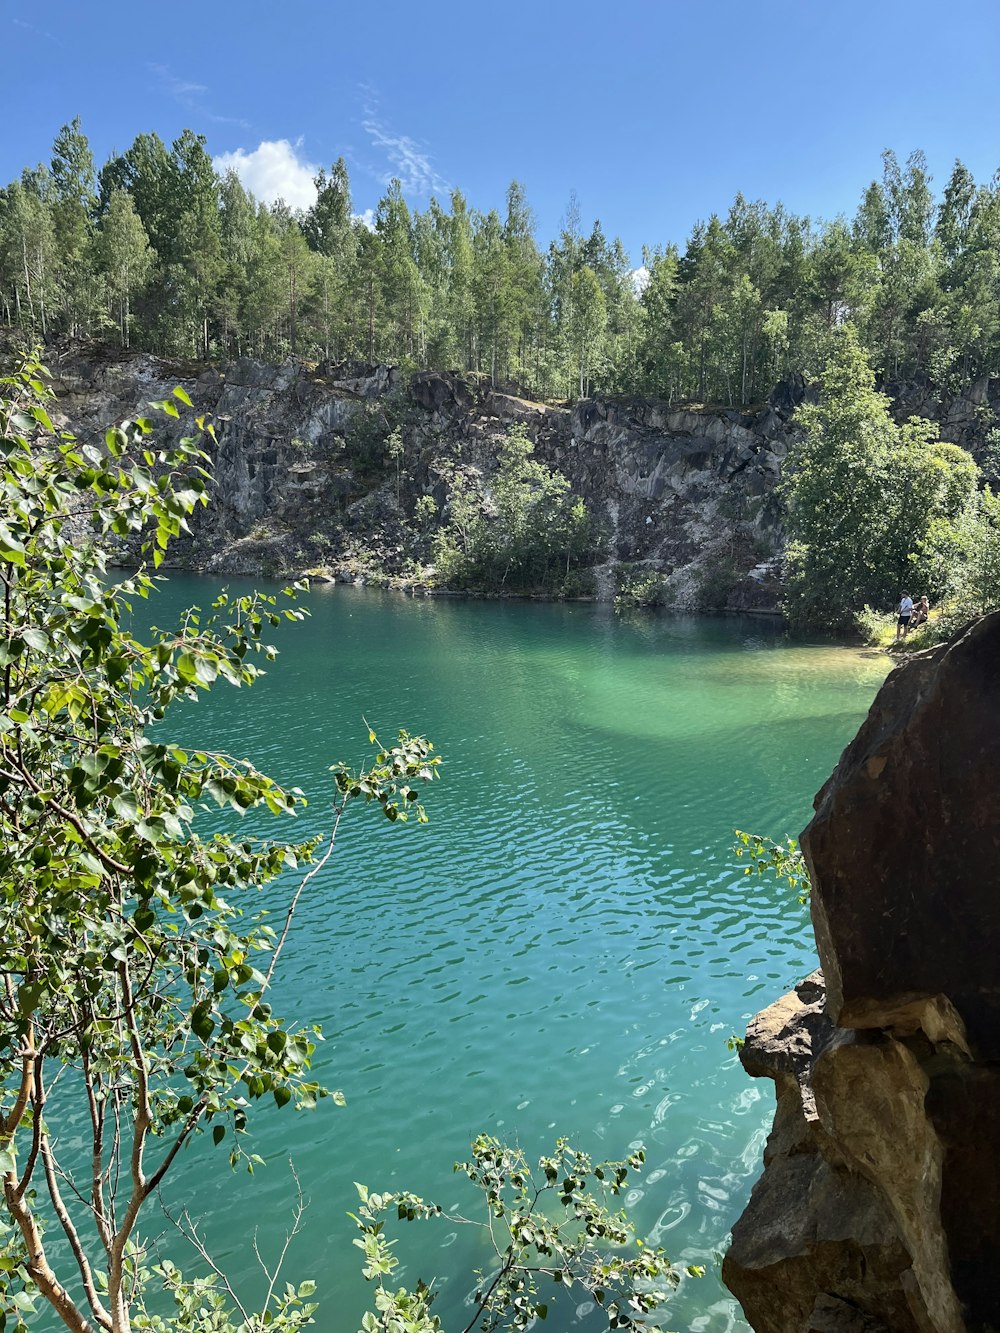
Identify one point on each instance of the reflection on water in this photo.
(566, 947)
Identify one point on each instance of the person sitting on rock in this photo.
(920, 612)
(904, 612)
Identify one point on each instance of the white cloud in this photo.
(367, 218)
(183, 89)
(274, 170)
(192, 96)
(640, 279)
(35, 32)
(407, 161)
(410, 165)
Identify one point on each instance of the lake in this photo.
(568, 944)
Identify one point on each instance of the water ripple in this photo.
(569, 942)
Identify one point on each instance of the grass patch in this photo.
(879, 631)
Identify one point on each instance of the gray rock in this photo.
(281, 465)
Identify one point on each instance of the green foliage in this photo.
(387, 778)
(784, 860)
(425, 513)
(136, 955)
(863, 496)
(395, 450)
(639, 587)
(962, 558)
(373, 440)
(207, 1304)
(184, 262)
(876, 628)
(579, 583)
(550, 1230)
(989, 456)
(524, 532)
(123, 258)
(718, 579)
(963, 555)
(364, 438)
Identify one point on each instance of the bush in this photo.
(875, 627)
(639, 586)
(579, 583)
(717, 582)
(863, 496)
(425, 513)
(452, 567)
(524, 532)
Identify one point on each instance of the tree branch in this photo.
(66, 1222)
(298, 894)
(38, 1266)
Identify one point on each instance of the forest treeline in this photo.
(157, 251)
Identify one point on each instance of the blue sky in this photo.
(655, 112)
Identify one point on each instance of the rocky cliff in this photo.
(302, 479)
(879, 1206)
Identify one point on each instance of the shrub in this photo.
(639, 586)
(525, 532)
(875, 627)
(717, 581)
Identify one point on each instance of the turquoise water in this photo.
(567, 945)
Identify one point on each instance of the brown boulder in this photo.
(818, 1241)
(904, 848)
(879, 1206)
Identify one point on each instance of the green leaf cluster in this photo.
(387, 779)
(784, 860)
(136, 953)
(553, 1228)
(522, 531)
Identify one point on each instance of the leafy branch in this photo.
(136, 963)
(554, 1225)
(784, 860)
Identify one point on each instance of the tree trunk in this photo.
(291, 306)
(27, 277)
(41, 292)
(371, 319)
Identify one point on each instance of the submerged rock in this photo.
(879, 1206)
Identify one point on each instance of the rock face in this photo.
(674, 489)
(683, 491)
(964, 418)
(879, 1206)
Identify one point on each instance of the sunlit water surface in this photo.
(564, 949)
